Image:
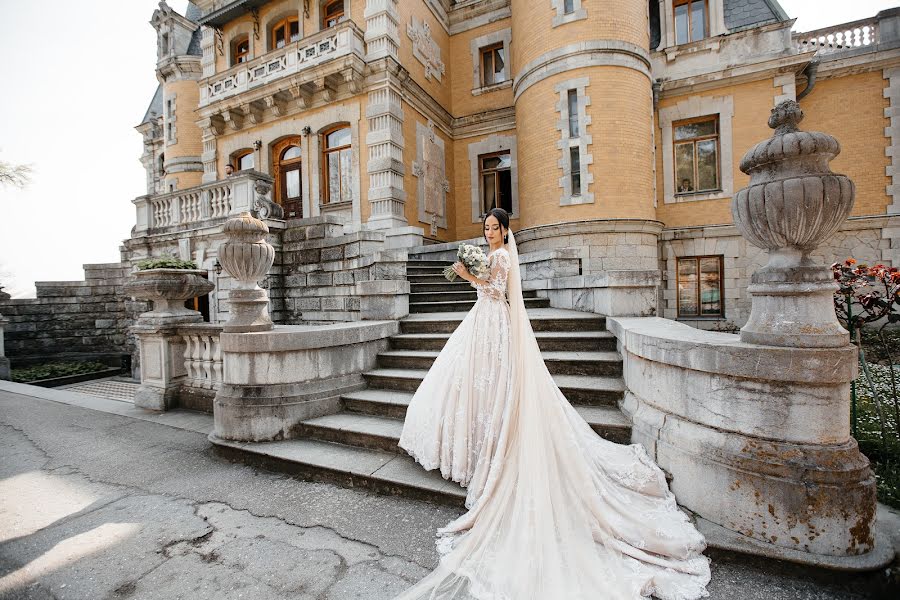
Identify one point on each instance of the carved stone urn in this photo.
(168, 289)
(247, 257)
(792, 204)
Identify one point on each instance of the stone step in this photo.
(542, 320)
(469, 295)
(380, 471)
(578, 389)
(446, 286)
(457, 305)
(597, 364)
(428, 263)
(573, 341)
(607, 421)
(419, 278)
(354, 429)
(435, 270)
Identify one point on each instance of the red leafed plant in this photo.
(868, 295)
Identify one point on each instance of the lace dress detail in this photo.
(555, 511)
(453, 419)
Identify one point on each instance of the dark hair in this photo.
(502, 216)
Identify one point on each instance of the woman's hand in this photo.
(460, 269)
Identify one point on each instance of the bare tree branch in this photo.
(15, 175)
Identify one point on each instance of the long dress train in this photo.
(559, 513)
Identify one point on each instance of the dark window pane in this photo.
(568, 6)
(292, 183)
(710, 286)
(489, 192)
(499, 65)
(698, 20)
(492, 162)
(279, 37)
(687, 287)
(707, 165)
(341, 137)
(575, 157)
(295, 31)
(684, 167)
(574, 130)
(487, 67)
(681, 24)
(504, 190)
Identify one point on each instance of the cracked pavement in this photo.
(100, 506)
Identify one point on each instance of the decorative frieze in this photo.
(425, 49)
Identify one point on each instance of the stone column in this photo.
(160, 345)
(247, 257)
(792, 204)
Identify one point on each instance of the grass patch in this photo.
(58, 369)
(882, 451)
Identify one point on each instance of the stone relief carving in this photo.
(425, 49)
(430, 168)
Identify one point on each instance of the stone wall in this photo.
(83, 320)
(869, 240)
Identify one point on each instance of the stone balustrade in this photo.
(208, 202)
(342, 40)
(839, 38)
(202, 356)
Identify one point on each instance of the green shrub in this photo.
(50, 370)
(168, 262)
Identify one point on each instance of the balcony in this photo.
(206, 204)
(857, 37)
(300, 57)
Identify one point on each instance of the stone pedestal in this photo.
(247, 257)
(160, 344)
(792, 204)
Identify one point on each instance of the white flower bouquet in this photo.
(473, 258)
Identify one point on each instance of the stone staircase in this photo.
(358, 446)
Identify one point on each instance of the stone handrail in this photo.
(301, 55)
(839, 38)
(207, 202)
(202, 356)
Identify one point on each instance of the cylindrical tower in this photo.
(583, 96)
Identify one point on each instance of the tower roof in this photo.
(743, 14)
(156, 106)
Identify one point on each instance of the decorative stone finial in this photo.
(247, 257)
(791, 205)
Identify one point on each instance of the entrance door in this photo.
(287, 169)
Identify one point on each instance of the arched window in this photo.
(284, 32)
(336, 165)
(240, 50)
(288, 159)
(332, 13)
(243, 159)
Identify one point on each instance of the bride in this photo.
(555, 512)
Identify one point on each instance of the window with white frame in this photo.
(691, 20)
(696, 155)
(490, 61)
(574, 142)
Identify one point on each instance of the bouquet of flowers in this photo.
(473, 258)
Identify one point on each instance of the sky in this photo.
(69, 108)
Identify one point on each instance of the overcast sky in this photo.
(69, 106)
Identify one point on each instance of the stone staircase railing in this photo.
(207, 202)
(202, 356)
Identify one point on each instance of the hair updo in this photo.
(502, 216)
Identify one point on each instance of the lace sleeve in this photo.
(495, 285)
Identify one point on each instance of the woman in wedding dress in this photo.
(555, 511)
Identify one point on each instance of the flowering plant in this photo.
(473, 258)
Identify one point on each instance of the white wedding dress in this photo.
(555, 511)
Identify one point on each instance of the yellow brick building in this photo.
(612, 130)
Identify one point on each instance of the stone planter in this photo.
(168, 289)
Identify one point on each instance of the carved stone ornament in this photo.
(265, 208)
(791, 205)
(425, 49)
(168, 289)
(247, 257)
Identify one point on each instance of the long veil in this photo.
(562, 513)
